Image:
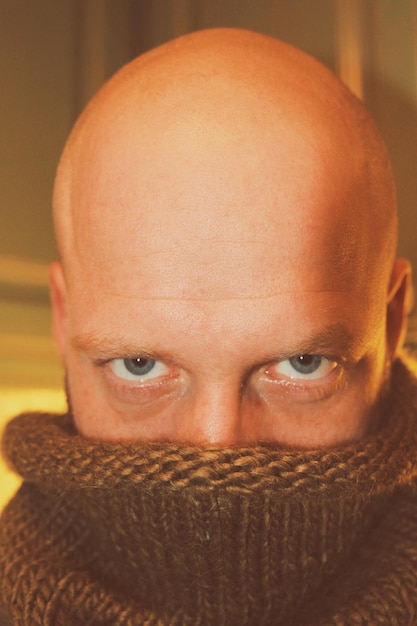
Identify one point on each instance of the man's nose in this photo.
(214, 416)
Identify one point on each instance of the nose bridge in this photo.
(215, 413)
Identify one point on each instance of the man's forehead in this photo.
(214, 220)
(247, 242)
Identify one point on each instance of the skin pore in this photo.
(225, 214)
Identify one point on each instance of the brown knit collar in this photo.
(197, 535)
(51, 451)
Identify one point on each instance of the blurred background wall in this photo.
(55, 54)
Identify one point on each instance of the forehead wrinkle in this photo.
(235, 298)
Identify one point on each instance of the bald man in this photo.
(240, 446)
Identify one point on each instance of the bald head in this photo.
(227, 189)
(219, 113)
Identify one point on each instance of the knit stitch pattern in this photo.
(110, 533)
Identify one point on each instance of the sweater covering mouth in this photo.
(173, 534)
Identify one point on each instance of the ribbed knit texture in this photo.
(171, 534)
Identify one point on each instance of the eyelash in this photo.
(314, 375)
(124, 362)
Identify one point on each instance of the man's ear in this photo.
(399, 304)
(58, 294)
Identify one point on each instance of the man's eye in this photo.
(139, 369)
(302, 367)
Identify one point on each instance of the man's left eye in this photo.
(302, 367)
(139, 369)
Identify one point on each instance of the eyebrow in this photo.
(331, 339)
(104, 346)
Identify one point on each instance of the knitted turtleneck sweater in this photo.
(169, 534)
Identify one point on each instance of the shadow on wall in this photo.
(395, 114)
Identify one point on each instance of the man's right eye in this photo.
(303, 367)
(139, 369)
